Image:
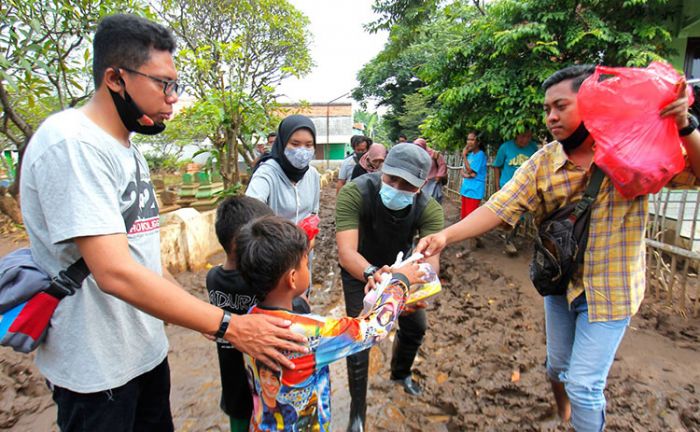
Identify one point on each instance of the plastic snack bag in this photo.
(310, 225)
(634, 146)
(429, 288)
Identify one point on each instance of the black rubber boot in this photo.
(358, 366)
(403, 354)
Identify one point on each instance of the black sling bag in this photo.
(561, 241)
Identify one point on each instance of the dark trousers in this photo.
(409, 337)
(142, 404)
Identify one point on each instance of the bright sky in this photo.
(339, 48)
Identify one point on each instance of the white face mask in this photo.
(299, 157)
(395, 199)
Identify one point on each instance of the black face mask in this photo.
(132, 116)
(575, 139)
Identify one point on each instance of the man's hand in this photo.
(412, 271)
(679, 107)
(263, 337)
(432, 244)
(371, 281)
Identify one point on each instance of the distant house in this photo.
(334, 126)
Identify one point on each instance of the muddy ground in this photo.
(480, 365)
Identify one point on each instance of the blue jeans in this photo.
(579, 354)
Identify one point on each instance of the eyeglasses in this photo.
(170, 87)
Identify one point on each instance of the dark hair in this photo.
(267, 248)
(126, 40)
(272, 134)
(576, 73)
(478, 138)
(355, 140)
(233, 213)
(403, 136)
(262, 366)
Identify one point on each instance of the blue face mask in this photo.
(299, 157)
(395, 199)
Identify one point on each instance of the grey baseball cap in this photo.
(409, 162)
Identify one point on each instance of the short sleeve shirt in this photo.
(77, 181)
(613, 276)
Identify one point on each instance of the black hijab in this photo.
(285, 130)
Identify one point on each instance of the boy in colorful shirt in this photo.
(229, 291)
(273, 256)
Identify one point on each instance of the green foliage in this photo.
(45, 64)
(235, 189)
(483, 66)
(45, 61)
(234, 54)
(165, 162)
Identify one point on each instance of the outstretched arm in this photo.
(117, 274)
(345, 336)
(478, 222)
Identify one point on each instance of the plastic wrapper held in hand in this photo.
(637, 149)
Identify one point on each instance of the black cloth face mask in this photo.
(575, 139)
(131, 115)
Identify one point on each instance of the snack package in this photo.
(429, 288)
(310, 225)
(635, 147)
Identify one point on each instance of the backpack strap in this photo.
(590, 194)
(72, 278)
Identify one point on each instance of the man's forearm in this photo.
(169, 277)
(353, 263)
(142, 288)
(478, 222)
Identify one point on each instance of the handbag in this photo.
(29, 295)
(561, 240)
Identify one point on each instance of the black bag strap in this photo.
(590, 194)
(72, 278)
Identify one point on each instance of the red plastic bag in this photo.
(635, 147)
(310, 225)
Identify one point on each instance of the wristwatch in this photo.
(225, 320)
(369, 271)
(692, 125)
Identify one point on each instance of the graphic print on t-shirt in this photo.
(148, 218)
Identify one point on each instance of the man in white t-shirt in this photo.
(105, 356)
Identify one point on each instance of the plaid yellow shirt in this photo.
(614, 266)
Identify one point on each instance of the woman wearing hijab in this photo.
(370, 162)
(284, 179)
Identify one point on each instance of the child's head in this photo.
(232, 214)
(272, 250)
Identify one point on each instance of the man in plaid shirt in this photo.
(585, 326)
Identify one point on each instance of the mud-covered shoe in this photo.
(409, 386)
(510, 248)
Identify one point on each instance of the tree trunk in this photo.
(14, 187)
(10, 207)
